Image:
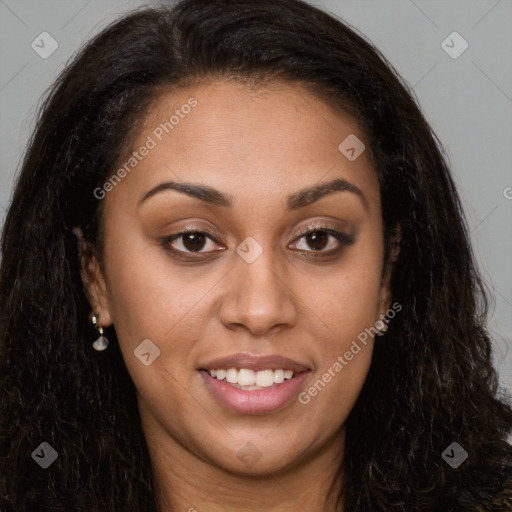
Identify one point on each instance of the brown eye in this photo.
(189, 242)
(317, 240)
(194, 241)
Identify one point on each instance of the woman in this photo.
(236, 275)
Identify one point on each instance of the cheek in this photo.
(348, 305)
(148, 292)
(355, 301)
(348, 300)
(345, 357)
(151, 299)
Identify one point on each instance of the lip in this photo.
(262, 401)
(255, 363)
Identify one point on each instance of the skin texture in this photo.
(259, 146)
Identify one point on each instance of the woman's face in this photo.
(250, 290)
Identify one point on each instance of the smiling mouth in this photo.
(243, 398)
(250, 380)
(254, 384)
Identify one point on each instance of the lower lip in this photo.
(260, 401)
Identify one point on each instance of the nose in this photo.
(258, 296)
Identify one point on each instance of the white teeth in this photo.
(278, 376)
(250, 380)
(246, 378)
(232, 376)
(265, 378)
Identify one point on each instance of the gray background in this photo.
(467, 100)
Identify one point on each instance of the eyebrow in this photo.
(299, 199)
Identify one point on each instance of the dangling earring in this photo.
(383, 329)
(102, 342)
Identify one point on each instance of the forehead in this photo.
(251, 142)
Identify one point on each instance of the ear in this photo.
(93, 280)
(394, 251)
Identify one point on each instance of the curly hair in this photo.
(431, 380)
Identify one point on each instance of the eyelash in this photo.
(343, 239)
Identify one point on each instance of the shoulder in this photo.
(485, 488)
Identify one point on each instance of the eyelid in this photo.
(342, 240)
(184, 231)
(315, 225)
(215, 235)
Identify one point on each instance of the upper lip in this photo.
(255, 363)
